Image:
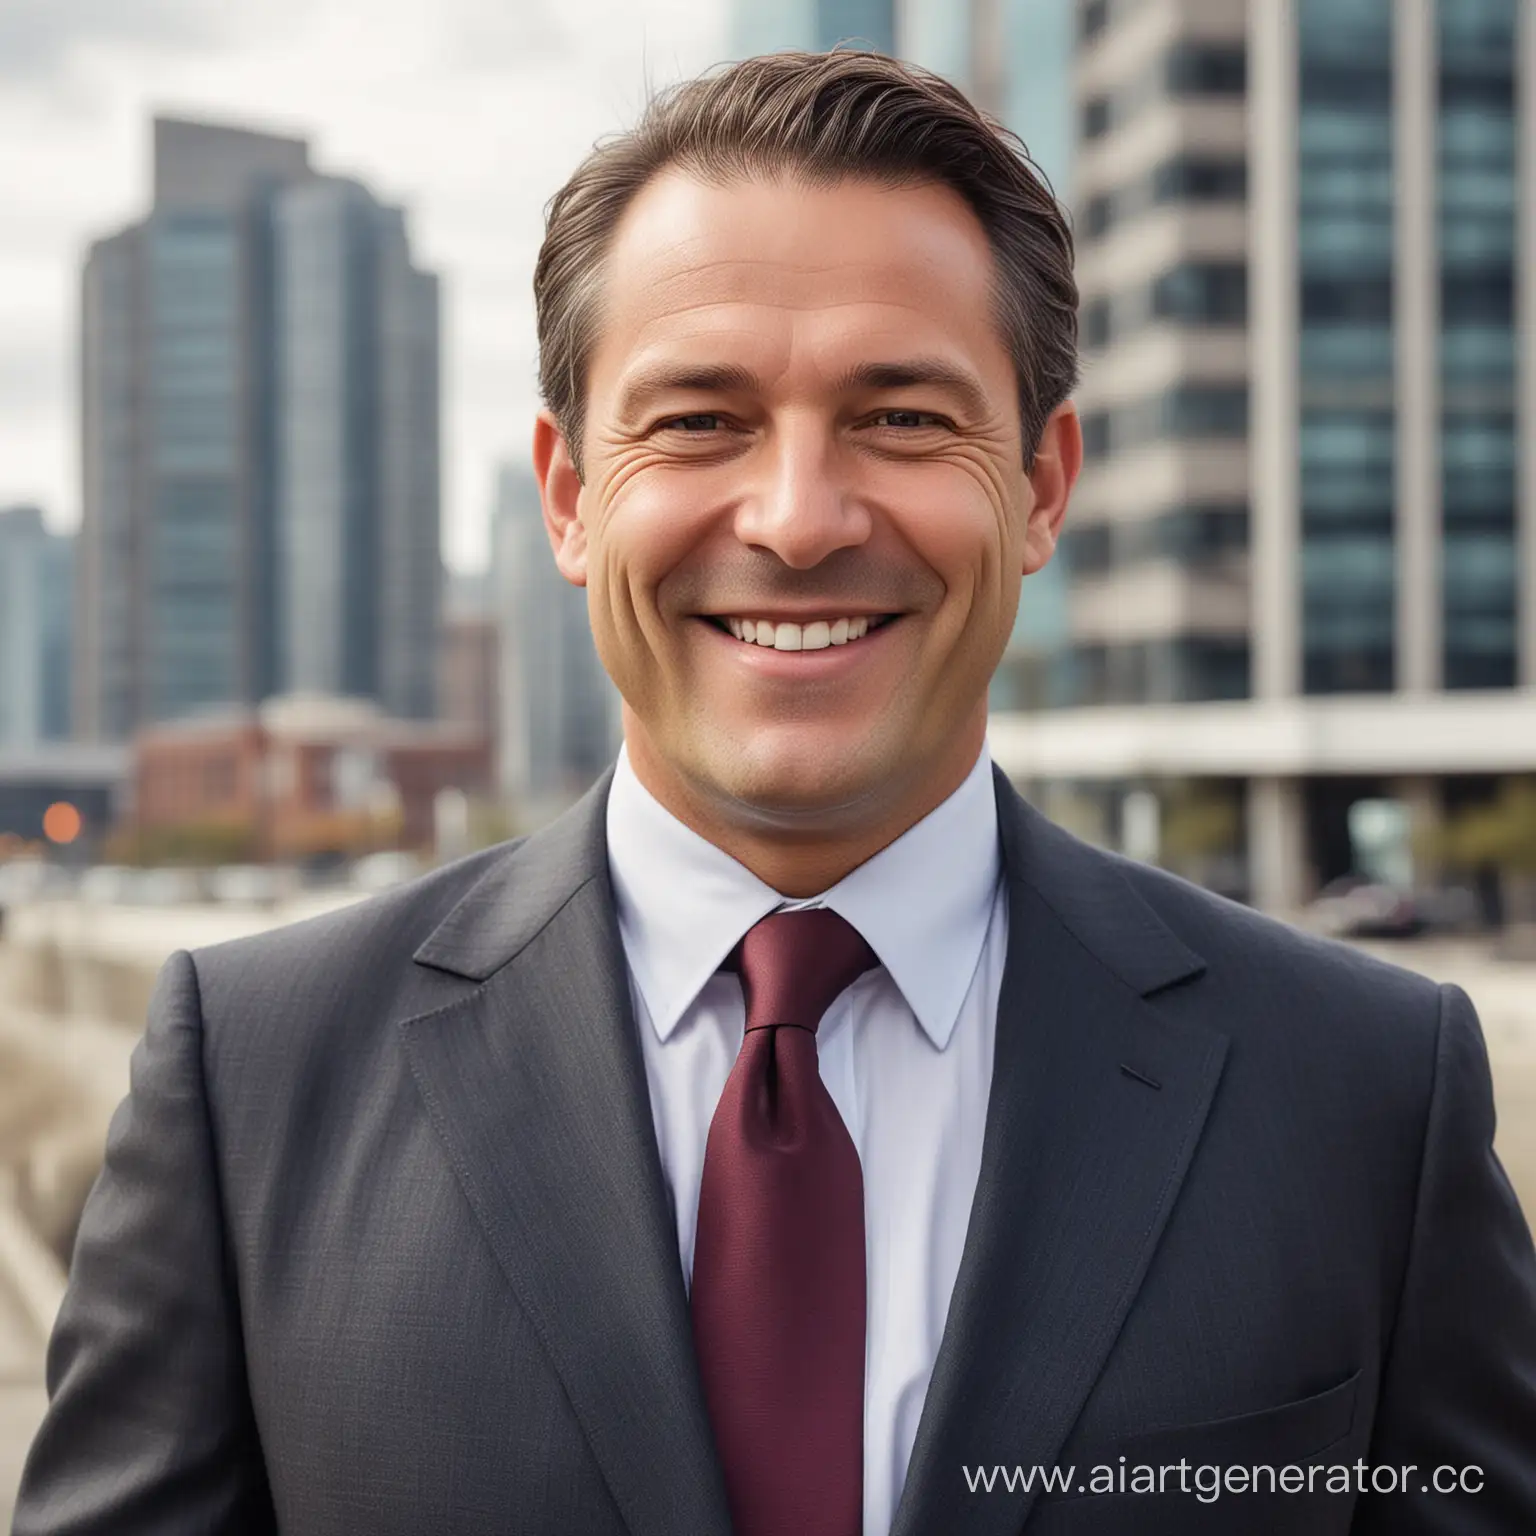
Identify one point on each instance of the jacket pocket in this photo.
(1290, 1432)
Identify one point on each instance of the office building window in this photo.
(1202, 293)
(1192, 293)
(1477, 45)
(1348, 427)
(1193, 536)
(1188, 411)
(1183, 179)
(1188, 68)
(1186, 669)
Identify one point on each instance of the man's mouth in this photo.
(813, 635)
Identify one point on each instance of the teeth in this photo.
(815, 636)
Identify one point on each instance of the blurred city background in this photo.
(279, 623)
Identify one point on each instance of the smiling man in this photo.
(805, 501)
(801, 1136)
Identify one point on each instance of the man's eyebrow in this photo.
(935, 371)
(660, 379)
(666, 378)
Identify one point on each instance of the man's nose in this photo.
(802, 503)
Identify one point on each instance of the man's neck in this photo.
(799, 863)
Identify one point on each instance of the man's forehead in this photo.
(779, 237)
(694, 260)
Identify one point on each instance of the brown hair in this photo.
(823, 117)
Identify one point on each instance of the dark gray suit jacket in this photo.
(382, 1244)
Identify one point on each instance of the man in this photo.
(801, 1134)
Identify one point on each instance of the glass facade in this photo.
(1178, 669)
(1478, 180)
(1037, 86)
(359, 570)
(1348, 423)
(1192, 537)
(813, 24)
(560, 713)
(869, 23)
(326, 440)
(1188, 68)
(410, 582)
(194, 370)
(105, 691)
(35, 572)
(1199, 293)
(937, 35)
(1183, 413)
(1185, 178)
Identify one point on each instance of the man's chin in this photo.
(802, 781)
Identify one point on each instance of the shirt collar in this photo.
(923, 903)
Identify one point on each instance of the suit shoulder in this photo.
(360, 943)
(1324, 994)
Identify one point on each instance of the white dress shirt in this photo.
(905, 1052)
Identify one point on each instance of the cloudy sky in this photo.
(468, 112)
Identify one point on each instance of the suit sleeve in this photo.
(149, 1426)
(1459, 1386)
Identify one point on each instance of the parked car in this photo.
(1356, 908)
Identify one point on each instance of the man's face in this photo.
(800, 413)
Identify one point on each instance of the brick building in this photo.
(304, 774)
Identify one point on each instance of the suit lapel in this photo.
(535, 1083)
(1081, 1165)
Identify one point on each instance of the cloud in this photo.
(38, 36)
(470, 113)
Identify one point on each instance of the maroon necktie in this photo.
(778, 1259)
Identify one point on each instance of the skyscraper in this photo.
(35, 581)
(358, 573)
(201, 324)
(1306, 534)
(559, 714)
(177, 484)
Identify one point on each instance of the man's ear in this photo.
(560, 493)
(1058, 460)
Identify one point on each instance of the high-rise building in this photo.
(202, 326)
(559, 714)
(36, 568)
(1304, 545)
(355, 327)
(815, 25)
(177, 483)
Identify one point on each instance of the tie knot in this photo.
(793, 964)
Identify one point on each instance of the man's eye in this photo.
(908, 419)
(703, 421)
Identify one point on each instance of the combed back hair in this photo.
(821, 118)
